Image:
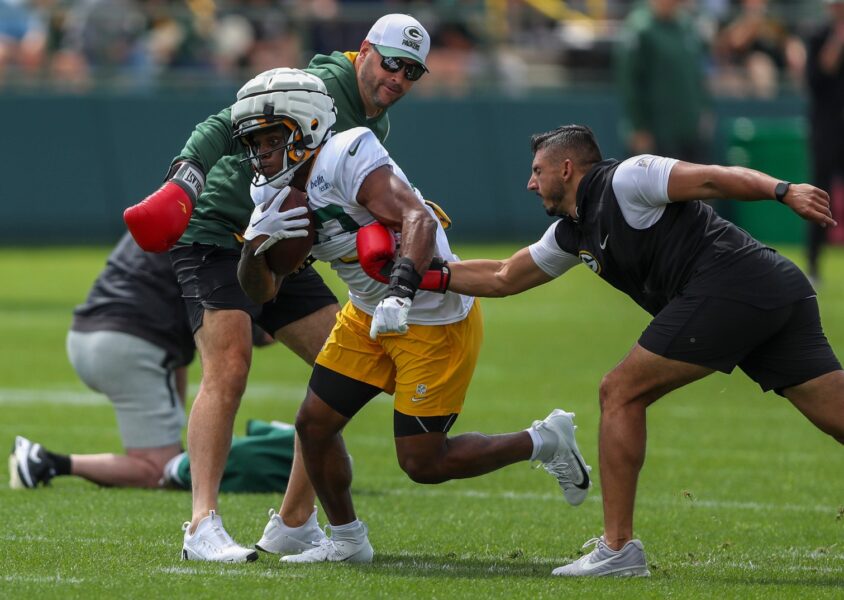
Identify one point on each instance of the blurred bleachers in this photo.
(105, 93)
(510, 46)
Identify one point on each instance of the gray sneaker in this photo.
(560, 456)
(603, 560)
(278, 538)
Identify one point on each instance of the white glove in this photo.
(390, 316)
(267, 220)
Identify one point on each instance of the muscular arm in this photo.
(395, 205)
(497, 278)
(689, 181)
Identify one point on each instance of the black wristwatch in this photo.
(781, 190)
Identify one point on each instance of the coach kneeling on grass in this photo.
(719, 298)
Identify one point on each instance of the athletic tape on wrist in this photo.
(404, 280)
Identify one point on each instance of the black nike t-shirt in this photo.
(137, 293)
(654, 250)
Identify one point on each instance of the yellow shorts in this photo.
(428, 368)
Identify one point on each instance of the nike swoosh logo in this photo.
(584, 485)
(354, 150)
(258, 221)
(593, 566)
(33, 453)
(604, 243)
(184, 208)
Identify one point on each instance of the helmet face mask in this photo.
(293, 102)
(291, 151)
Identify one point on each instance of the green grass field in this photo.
(740, 496)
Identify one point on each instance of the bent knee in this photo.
(615, 393)
(420, 471)
(317, 421)
(609, 395)
(307, 427)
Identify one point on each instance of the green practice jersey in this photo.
(223, 209)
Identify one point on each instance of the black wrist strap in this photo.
(189, 176)
(781, 190)
(404, 280)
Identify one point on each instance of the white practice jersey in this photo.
(337, 174)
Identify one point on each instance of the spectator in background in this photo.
(825, 76)
(256, 35)
(660, 71)
(754, 50)
(453, 60)
(22, 37)
(329, 25)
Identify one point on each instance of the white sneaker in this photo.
(170, 475)
(604, 561)
(331, 550)
(560, 456)
(211, 542)
(281, 539)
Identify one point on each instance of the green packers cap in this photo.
(400, 36)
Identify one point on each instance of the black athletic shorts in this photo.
(347, 396)
(208, 276)
(777, 348)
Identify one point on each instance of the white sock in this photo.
(352, 532)
(537, 442)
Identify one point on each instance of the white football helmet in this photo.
(288, 98)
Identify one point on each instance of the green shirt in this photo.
(223, 209)
(660, 69)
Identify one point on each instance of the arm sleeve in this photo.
(210, 141)
(549, 257)
(640, 185)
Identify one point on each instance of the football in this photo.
(285, 256)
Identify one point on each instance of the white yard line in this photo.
(54, 579)
(659, 502)
(231, 570)
(63, 396)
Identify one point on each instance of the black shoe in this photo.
(29, 465)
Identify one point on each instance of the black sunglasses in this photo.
(412, 71)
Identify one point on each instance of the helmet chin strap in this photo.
(283, 180)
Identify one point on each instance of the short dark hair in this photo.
(578, 140)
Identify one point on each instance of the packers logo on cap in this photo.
(412, 37)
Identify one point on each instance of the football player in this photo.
(211, 173)
(282, 116)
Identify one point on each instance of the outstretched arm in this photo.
(689, 181)
(497, 278)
